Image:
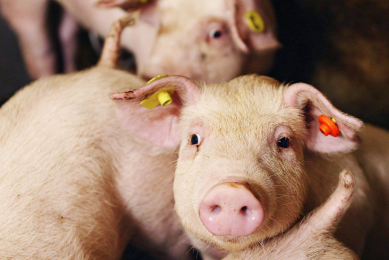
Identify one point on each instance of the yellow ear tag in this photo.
(255, 21)
(143, 1)
(162, 97)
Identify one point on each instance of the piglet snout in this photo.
(230, 209)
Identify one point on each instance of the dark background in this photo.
(12, 73)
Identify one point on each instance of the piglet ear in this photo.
(253, 26)
(157, 125)
(313, 104)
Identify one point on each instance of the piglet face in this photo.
(211, 41)
(240, 176)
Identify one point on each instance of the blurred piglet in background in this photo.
(212, 41)
(255, 156)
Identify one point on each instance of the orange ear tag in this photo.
(328, 126)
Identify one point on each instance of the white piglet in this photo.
(75, 184)
(256, 155)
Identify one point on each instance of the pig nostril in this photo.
(216, 209)
(244, 210)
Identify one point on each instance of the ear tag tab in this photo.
(161, 96)
(255, 21)
(157, 77)
(328, 126)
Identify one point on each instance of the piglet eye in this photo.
(195, 139)
(283, 142)
(215, 34)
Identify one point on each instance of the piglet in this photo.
(312, 238)
(75, 184)
(209, 42)
(256, 155)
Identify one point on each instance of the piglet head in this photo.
(240, 175)
(212, 41)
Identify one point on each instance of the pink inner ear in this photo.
(159, 125)
(314, 104)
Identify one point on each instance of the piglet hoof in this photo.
(347, 180)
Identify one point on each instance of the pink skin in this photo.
(230, 209)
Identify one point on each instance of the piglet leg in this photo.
(313, 238)
(28, 20)
(67, 36)
(328, 216)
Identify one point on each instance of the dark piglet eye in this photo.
(215, 34)
(283, 142)
(195, 139)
